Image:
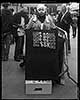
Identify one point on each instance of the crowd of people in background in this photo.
(13, 25)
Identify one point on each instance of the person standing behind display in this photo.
(39, 16)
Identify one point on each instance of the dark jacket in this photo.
(6, 18)
(66, 21)
(17, 20)
(17, 17)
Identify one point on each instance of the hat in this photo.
(41, 6)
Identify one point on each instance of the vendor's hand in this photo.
(65, 34)
(63, 31)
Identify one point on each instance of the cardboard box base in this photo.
(38, 87)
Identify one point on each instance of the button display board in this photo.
(42, 60)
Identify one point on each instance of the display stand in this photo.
(42, 60)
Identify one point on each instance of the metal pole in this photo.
(29, 11)
(17, 7)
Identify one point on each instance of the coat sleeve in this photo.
(51, 21)
(31, 22)
(70, 21)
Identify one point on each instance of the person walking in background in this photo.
(6, 16)
(19, 21)
(53, 15)
(74, 25)
(64, 21)
(12, 36)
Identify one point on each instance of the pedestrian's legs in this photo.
(74, 32)
(6, 47)
(61, 58)
(69, 46)
(16, 53)
(19, 47)
(22, 64)
(22, 45)
(3, 49)
(61, 53)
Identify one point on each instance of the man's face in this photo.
(41, 11)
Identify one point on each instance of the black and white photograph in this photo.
(39, 50)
